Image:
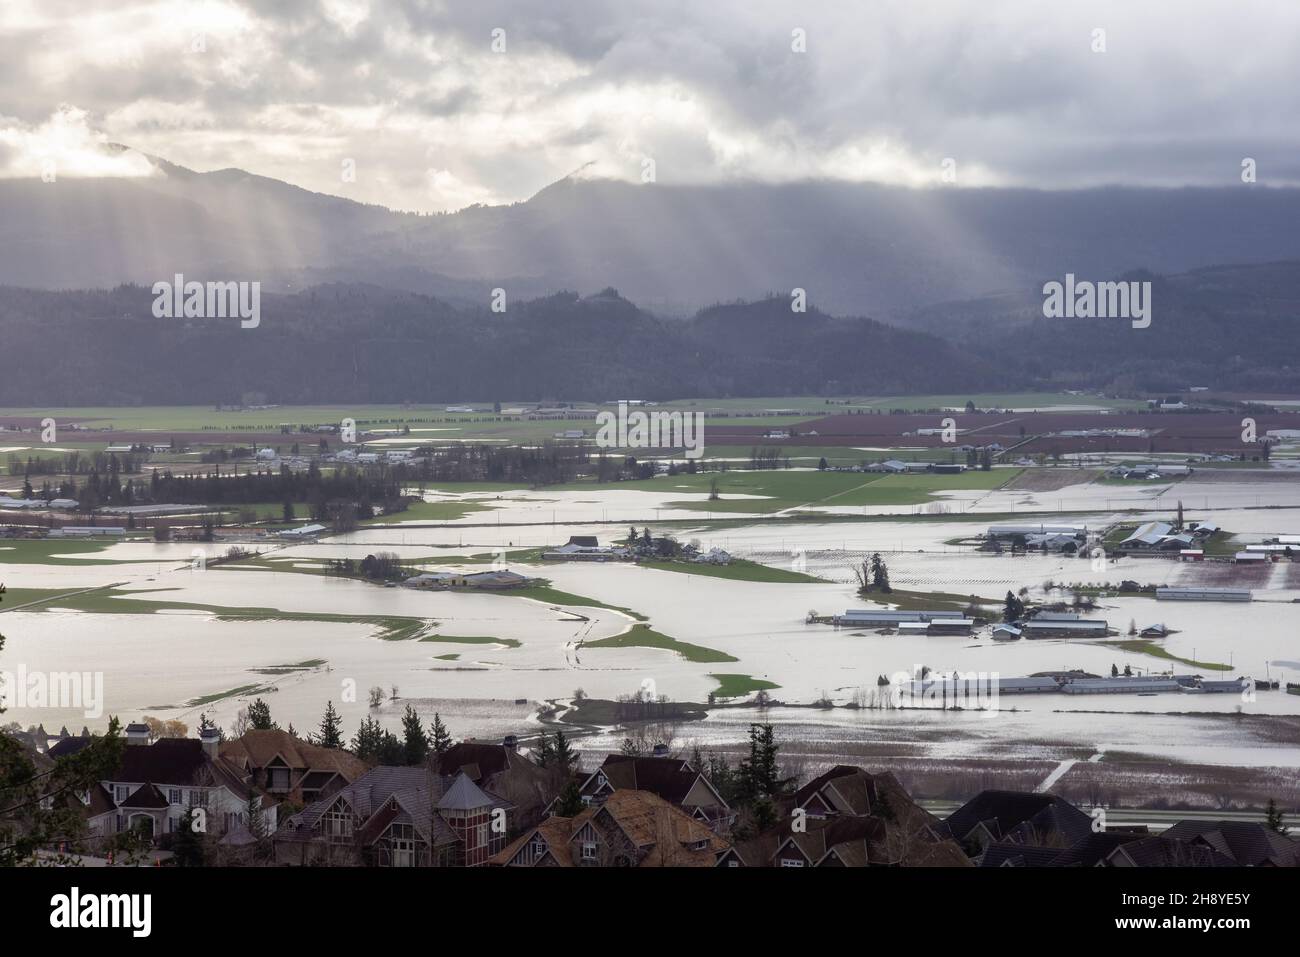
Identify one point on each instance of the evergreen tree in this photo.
(1014, 609)
(440, 737)
(563, 757)
(415, 741)
(368, 739)
(545, 751)
(392, 752)
(759, 772)
(331, 728)
(569, 803)
(259, 716)
(187, 844)
(1274, 819)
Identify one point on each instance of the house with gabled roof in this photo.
(156, 784)
(849, 817)
(672, 779)
(629, 829)
(288, 768)
(1042, 820)
(398, 817)
(501, 770)
(1246, 843)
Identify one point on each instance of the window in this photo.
(278, 779)
(733, 863)
(338, 825)
(174, 795)
(791, 862)
(119, 793)
(588, 850)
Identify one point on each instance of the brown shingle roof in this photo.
(259, 749)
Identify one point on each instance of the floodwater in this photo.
(163, 664)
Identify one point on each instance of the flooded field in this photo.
(279, 628)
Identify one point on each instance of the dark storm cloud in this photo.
(1016, 93)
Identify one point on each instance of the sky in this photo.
(434, 106)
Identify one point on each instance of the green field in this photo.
(783, 490)
(737, 570)
(736, 686)
(1144, 646)
(643, 636)
(470, 640)
(115, 601)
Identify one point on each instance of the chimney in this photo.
(137, 733)
(510, 742)
(211, 739)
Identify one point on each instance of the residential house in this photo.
(288, 768)
(628, 829)
(398, 817)
(672, 779)
(1026, 820)
(502, 771)
(156, 784)
(849, 817)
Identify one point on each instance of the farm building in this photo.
(940, 626)
(1014, 531)
(22, 503)
(1135, 685)
(87, 531)
(1156, 536)
(887, 617)
(1065, 629)
(1191, 555)
(435, 580)
(1248, 558)
(584, 548)
(1006, 633)
(303, 531)
(951, 626)
(1052, 542)
(1203, 594)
